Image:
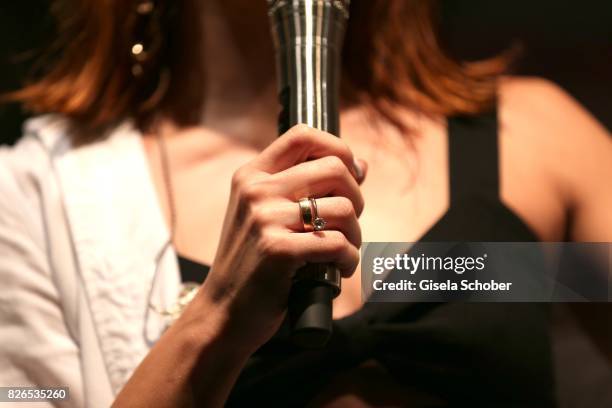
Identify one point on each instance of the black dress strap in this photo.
(192, 271)
(473, 156)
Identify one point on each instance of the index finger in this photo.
(302, 143)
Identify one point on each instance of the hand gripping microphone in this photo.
(308, 37)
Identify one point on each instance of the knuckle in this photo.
(273, 246)
(259, 216)
(351, 255)
(335, 166)
(356, 255)
(299, 137)
(345, 150)
(250, 191)
(345, 208)
(238, 178)
(359, 240)
(267, 244)
(337, 243)
(359, 205)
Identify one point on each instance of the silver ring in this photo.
(318, 223)
(306, 212)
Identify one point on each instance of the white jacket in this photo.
(81, 235)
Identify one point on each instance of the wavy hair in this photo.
(392, 58)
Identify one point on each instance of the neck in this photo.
(239, 79)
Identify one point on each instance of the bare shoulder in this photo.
(544, 118)
(541, 106)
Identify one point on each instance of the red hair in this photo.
(391, 58)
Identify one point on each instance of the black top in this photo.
(192, 271)
(449, 354)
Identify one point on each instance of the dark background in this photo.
(569, 42)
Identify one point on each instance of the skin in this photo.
(555, 165)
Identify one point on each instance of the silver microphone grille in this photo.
(308, 36)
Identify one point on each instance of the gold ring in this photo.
(306, 211)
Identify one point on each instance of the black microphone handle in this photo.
(308, 36)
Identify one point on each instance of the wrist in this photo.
(207, 325)
(198, 355)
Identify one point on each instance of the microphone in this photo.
(308, 37)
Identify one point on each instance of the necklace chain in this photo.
(189, 289)
(168, 186)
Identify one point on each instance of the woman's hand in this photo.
(263, 241)
(244, 298)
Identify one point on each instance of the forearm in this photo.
(194, 363)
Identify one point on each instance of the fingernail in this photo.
(358, 169)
